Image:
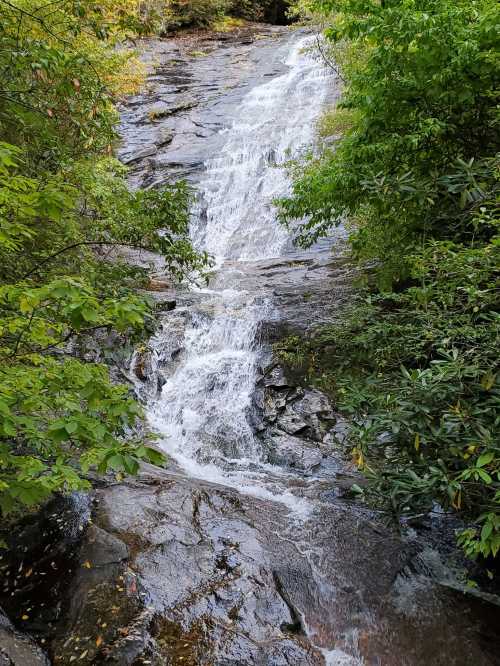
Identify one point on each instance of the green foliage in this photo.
(54, 413)
(189, 13)
(169, 15)
(415, 177)
(417, 372)
(422, 81)
(175, 14)
(66, 215)
(260, 10)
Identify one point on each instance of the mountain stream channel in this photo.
(245, 549)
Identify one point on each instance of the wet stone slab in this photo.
(173, 571)
(193, 91)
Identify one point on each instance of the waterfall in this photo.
(235, 217)
(202, 414)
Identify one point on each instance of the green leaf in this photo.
(116, 462)
(484, 476)
(154, 456)
(486, 531)
(485, 459)
(71, 427)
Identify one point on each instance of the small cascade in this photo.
(202, 409)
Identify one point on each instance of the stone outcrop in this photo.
(169, 570)
(18, 649)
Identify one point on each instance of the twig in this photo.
(80, 244)
(327, 60)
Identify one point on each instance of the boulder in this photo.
(172, 572)
(164, 137)
(291, 422)
(295, 453)
(275, 378)
(18, 649)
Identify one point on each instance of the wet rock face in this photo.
(17, 649)
(307, 288)
(303, 416)
(194, 86)
(172, 573)
(294, 423)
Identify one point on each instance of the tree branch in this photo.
(81, 244)
(327, 60)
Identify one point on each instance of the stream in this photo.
(246, 549)
(227, 415)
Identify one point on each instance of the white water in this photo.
(236, 217)
(202, 413)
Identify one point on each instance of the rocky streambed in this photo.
(247, 548)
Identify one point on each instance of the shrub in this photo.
(416, 178)
(62, 198)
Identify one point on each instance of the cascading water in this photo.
(202, 413)
(236, 218)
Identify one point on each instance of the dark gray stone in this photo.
(291, 422)
(216, 577)
(294, 453)
(139, 154)
(274, 378)
(164, 138)
(17, 649)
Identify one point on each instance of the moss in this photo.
(180, 645)
(228, 24)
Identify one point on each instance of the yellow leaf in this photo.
(417, 442)
(488, 381)
(98, 641)
(358, 457)
(87, 565)
(457, 500)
